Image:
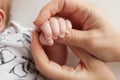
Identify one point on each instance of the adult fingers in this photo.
(87, 61)
(47, 67)
(76, 38)
(54, 70)
(85, 58)
(90, 64)
(54, 7)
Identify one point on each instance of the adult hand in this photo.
(89, 68)
(93, 32)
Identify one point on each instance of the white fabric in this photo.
(15, 54)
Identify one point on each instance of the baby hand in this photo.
(53, 28)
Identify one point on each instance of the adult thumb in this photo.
(51, 9)
(75, 38)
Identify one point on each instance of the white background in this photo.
(25, 12)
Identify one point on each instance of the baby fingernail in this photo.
(54, 37)
(67, 31)
(48, 38)
(50, 42)
(62, 36)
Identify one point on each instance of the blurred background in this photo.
(26, 11)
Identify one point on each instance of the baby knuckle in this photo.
(52, 19)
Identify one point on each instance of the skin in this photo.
(54, 28)
(89, 67)
(2, 20)
(91, 32)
